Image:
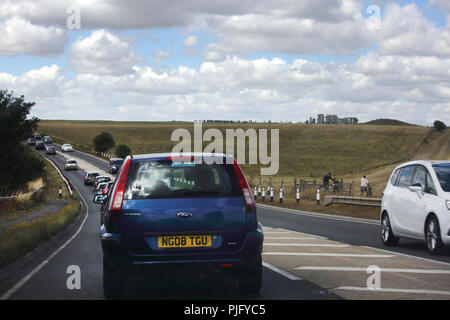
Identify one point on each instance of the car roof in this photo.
(112, 159)
(185, 154)
(71, 160)
(423, 162)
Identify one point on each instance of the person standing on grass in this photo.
(60, 192)
(364, 186)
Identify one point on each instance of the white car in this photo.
(416, 204)
(70, 164)
(66, 147)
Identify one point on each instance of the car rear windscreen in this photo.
(443, 174)
(116, 162)
(155, 179)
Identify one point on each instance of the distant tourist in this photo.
(364, 186)
(326, 180)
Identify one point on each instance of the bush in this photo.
(439, 126)
(18, 164)
(103, 142)
(122, 151)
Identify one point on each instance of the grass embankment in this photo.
(52, 181)
(20, 239)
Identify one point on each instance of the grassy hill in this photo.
(305, 150)
(388, 122)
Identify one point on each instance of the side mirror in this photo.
(100, 198)
(417, 188)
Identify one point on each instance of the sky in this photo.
(278, 60)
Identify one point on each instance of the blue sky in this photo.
(297, 58)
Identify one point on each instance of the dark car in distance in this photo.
(39, 145)
(89, 178)
(37, 136)
(48, 140)
(164, 213)
(31, 141)
(50, 150)
(114, 165)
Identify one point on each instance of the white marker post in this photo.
(281, 195)
(255, 193)
(271, 194)
(318, 196)
(263, 195)
(297, 195)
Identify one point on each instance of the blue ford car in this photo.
(192, 211)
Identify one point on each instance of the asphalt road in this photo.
(47, 277)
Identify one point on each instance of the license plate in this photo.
(188, 241)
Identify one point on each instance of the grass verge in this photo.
(20, 239)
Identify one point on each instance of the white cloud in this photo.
(103, 53)
(19, 36)
(190, 41)
(405, 31)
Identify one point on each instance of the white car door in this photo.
(420, 203)
(404, 201)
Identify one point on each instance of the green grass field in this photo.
(306, 151)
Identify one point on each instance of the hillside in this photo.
(305, 150)
(388, 122)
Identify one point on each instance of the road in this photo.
(306, 256)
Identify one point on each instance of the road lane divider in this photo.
(283, 272)
(307, 245)
(393, 290)
(353, 255)
(363, 269)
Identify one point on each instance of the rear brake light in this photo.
(245, 188)
(116, 204)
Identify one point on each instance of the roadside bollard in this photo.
(318, 196)
(263, 195)
(281, 195)
(255, 193)
(271, 194)
(259, 190)
(297, 195)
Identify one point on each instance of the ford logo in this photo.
(184, 214)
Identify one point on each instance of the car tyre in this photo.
(113, 282)
(250, 278)
(433, 236)
(387, 236)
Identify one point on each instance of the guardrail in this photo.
(374, 202)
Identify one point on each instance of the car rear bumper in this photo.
(117, 255)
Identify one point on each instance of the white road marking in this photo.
(290, 238)
(362, 269)
(25, 279)
(416, 291)
(284, 273)
(408, 255)
(276, 232)
(307, 245)
(355, 255)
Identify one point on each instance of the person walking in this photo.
(364, 186)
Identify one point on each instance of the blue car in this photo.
(192, 211)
